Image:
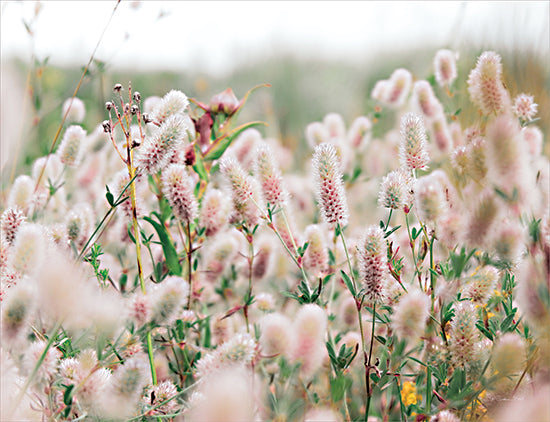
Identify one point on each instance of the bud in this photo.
(373, 264)
(173, 103)
(316, 255)
(463, 335)
(481, 284)
(214, 210)
(395, 190)
(117, 88)
(485, 85)
(137, 97)
(225, 102)
(75, 110)
(245, 192)
(327, 176)
(525, 107)
(177, 187)
(71, 149)
(276, 335)
(269, 175)
(156, 151)
(413, 149)
(445, 67)
(10, 221)
(426, 100)
(359, 133)
(410, 316)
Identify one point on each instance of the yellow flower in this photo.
(408, 394)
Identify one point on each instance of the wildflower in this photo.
(373, 264)
(359, 133)
(445, 67)
(477, 156)
(509, 355)
(21, 193)
(71, 149)
(276, 334)
(316, 255)
(227, 397)
(52, 171)
(245, 192)
(410, 316)
(139, 309)
(10, 221)
(316, 134)
(508, 242)
(441, 134)
(401, 80)
(485, 84)
(395, 190)
(120, 181)
(525, 107)
(75, 108)
(160, 393)
(327, 174)
(426, 100)
(444, 416)
(157, 149)
(429, 199)
(48, 366)
(481, 219)
(287, 232)
(264, 302)
(269, 176)
(173, 103)
(221, 251)
(79, 223)
(225, 102)
(322, 415)
(531, 287)
(177, 187)
(214, 210)
(481, 284)
(348, 311)
(380, 90)
(408, 394)
(16, 311)
(413, 149)
(28, 251)
(167, 298)
(264, 259)
(463, 335)
(309, 348)
(533, 137)
(335, 125)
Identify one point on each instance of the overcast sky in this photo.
(217, 36)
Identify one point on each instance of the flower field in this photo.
(175, 263)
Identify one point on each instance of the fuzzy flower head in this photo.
(328, 179)
(444, 416)
(463, 334)
(157, 394)
(177, 187)
(276, 334)
(71, 149)
(173, 103)
(485, 85)
(22, 193)
(75, 110)
(359, 133)
(481, 284)
(481, 219)
(29, 248)
(525, 107)
(413, 149)
(429, 199)
(79, 223)
(508, 242)
(214, 210)
(395, 190)
(49, 365)
(476, 152)
(245, 192)
(335, 125)
(9, 223)
(426, 100)
(316, 255)
(410, 316)
(16, 312)
(309, 347)
(269, 175)
(509, 355)
(158, 149)
(401, 81)
(441, 134)
(445, 67)
(316, 134)
(373, 264)
(167, 299)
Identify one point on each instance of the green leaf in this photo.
(224, 142)
(170, 254)
(109, 196)
(338, 387)
(349, 283)
(199, 165)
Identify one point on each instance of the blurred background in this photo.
(319, 57)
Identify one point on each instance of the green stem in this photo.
(190, 264)
(369, 391)
(151, 357)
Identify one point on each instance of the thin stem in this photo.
(151, 357)
(389, 218)
(416, 272)
(250, 240)
(190, 264)
(369, 392)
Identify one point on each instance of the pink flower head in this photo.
(413, 149)
(485, 84)
(395, 190)
(269, 176)
(71, 150)
(177, 187)
(359, 133)
(173, 103)
(445, 67)
(401, 81)
(327, 174)
(525, 107)
(316, 255)
(214, 210)
(9, 223)
(426, 100)
(373, 264)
